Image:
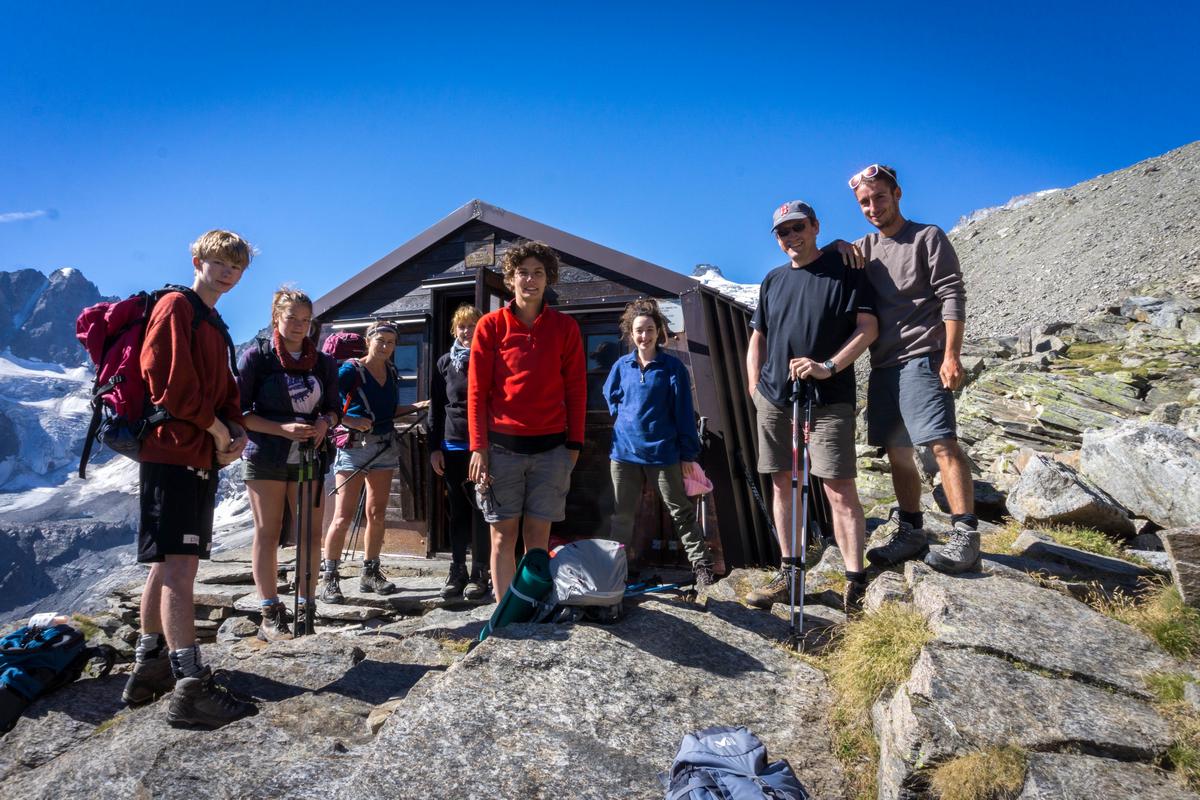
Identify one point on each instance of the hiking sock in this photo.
(330, 564)
(914, 518)
(856, 577)
(270, 602)
(969, 520)
(185, 663)
(149, 646)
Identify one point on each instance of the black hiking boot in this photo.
(331, 588)
(903, 542)
(960, 554)
(480, 587)
(777, 590)
(456, 581)
(703, 570)
(274, 626)
(372, 580)
(149, 680)
(204, 703)
(852, 598)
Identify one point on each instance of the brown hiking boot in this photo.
(203, 702)
(852, 598)
(274, 627)
(372, 579)
(149, 680)
(777, 590)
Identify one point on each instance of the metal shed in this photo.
(420, 284)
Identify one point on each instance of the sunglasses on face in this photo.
(870, 173)
(784, 231)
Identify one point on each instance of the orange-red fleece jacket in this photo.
(526, 381)
(187, 372)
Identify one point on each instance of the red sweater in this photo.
(526, 381)
(187, 372)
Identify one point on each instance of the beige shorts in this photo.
(830, 444)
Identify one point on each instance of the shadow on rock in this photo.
(660, 634)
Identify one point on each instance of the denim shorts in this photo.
(382, 445)
(907, 404)
(526, 485)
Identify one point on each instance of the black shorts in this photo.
(177, 511)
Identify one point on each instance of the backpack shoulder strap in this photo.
(360, 387)
(202, 313)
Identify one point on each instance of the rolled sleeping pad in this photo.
(530, 586)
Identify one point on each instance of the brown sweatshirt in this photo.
(186, 371)
(918, 284)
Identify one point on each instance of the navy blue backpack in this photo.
(725, 763)
(36, 661)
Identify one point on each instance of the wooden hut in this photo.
(419, 285)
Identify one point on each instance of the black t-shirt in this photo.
(810, 312)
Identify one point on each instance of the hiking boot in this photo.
(301, 624)
(456, 581)
(777, 590)
(903, 542)
(331, 588)
(203, 702)
(960, 554)
(852, 598)
(704, 575)
(274, 626)
(372, 580)
(149, 680)
(480, 587)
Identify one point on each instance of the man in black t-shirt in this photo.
(814, 318)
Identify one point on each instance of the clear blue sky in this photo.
(329, 136)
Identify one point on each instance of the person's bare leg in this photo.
(906, 478)
(849, 524)
(503, 559)
(379, 489)
(345, 504)
(178, 605)
(536, 533)
(955, 470)
(151, 612)
(781, 509)
(267, 500)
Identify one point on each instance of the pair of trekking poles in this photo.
(306, 494)
(800, 464)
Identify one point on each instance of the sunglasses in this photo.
(784, 231)
(870, 173)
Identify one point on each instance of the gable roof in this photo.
(524, 227)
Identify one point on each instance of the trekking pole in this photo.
(299, 534)
(307, 487)
(799, 487)
(355, 526)
(702, 431)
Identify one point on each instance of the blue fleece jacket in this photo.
(655, 422)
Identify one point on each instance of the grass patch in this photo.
(1087, 539)
(86, 625)
(874, 654)
(993, 774)
(1002, 540)
(1160, 614)
(1183, 756)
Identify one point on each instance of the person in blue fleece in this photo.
(654, 434)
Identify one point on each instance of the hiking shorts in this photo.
(176, 511)
(526, 485)
(830, 444)
(363, 457)
(907, 404)
(270, 472)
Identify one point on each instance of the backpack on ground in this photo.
(35, 661)
(113, 334)
(589, 582)
(728, 763)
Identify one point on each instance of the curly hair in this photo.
(539, 251)
(284, 298)
(644, 307)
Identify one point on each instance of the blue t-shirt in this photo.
(655, 422)
(380, 399)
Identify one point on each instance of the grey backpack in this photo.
(589, 582)
(725, 763)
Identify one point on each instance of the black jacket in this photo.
(448, 401)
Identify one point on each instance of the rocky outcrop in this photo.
(40, 323)
(1151, 469)
(1183, 551)
(1051, 493)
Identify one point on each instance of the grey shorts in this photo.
(526, 485)
(830, 444)
(907, 404)
(355, 458)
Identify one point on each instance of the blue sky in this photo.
(328, 136)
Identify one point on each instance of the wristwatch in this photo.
(832, 367)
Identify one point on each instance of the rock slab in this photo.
(1051, 493)
(1151, 469)
(1183, 552)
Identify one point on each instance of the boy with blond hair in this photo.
(186, 362)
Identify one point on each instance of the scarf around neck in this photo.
(308, 353)
(459, 356)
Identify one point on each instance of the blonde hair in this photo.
(225, 245)
(465, 314)
(285, 297)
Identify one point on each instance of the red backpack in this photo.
(344, 346)
(112, 333)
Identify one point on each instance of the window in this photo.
(603, 350)
(407, 359)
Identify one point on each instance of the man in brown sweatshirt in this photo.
(915, 369)
(186, 364)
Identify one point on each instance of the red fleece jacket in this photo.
(526, 381)
(187, 372)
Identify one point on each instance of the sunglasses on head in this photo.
(870, 173)
(784, 231)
